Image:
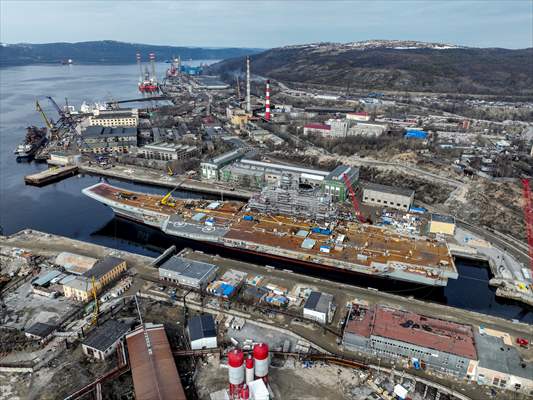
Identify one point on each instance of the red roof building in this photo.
(323, 127)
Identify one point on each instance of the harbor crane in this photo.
(528, 213)
(355, 203)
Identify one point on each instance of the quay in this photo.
(50, 175)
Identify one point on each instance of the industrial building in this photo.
(500, 364)
(366, 129)
(202, 332)
(388, 196)
(319, 307)
(334, 184)
(425, 342)
(168, 151)
(195, 274)
(257, 174)
(100, 140)
(358, 116)
(104, 272)
(210, 169)
(154, 371)
(103, 341)
(115, 118)
(41, 332)
(317, 129)
(442, 224)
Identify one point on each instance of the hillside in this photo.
(396, 65)
(108, 52)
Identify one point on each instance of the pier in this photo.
(50, 175)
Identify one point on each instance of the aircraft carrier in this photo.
(306, 230)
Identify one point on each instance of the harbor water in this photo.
(61, 208)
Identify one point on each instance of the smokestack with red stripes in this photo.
(267, 101)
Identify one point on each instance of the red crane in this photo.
(355, 203)
(528, 211)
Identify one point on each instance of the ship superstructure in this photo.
(35, 138)
(333, 244)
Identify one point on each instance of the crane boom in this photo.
(56, 106)
(528, 211)
(355, 203)
(46, 121)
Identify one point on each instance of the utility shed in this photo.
(187, 272)
(202, 332)
(155, 376)
(444, 224)
(103, 341)
(40, 331)
(388, 196)
(318, 307)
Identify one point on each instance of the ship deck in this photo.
(364, 245)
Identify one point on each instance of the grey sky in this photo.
(483, 23)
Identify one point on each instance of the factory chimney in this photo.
(248, 106)
(267, 101)
(236, 371)
(152, 62)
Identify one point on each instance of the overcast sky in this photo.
(482, 23)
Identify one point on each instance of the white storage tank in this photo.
(249, 369)
(261, 360)
(236, 367)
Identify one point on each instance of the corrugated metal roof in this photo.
(201, 326)
(103, 266)
(106, 335)
(155, 376)
(46, 277)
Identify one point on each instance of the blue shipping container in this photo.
(322, 231)
(248, 218)
(415, 134)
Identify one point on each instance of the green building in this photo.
(334, 185)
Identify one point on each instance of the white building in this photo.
(365, 129)
(191, 273)
(388, 196)
(319, 307)
(358, 116)
(168, 151)
(114, 118)
(202, 332)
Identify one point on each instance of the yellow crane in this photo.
(46, 121)
(167, 200)
(96, 308)
(170, 172)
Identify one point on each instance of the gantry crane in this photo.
(355, 203)
(528, 214)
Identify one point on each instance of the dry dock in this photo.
(50, 175)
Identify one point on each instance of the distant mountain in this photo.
(108, 52)
(396, 65)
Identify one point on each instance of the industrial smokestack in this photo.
(248, 105)
(267, 101)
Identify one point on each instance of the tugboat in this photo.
(35, 139)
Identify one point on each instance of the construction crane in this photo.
(96, 308)
(46, 120)
(528, 211)
(355, 203)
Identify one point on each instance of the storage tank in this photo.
(236, 367)
(261, 360)
(249, 369)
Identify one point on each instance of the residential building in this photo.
(115, 118)
(403, 336)
(41, 332)
(500, 364)
(98, 139)
(358, 116)
(319, 307)
(388, 196)
(153, 369)
(202, 332)
(334, 184)
(168, 151)
(210, 169)
(103, 341)
(104, 272)
(191, 273)
(442, 224)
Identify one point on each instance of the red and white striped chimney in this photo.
(267, 101)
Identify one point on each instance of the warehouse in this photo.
(388, 196)
(195, 274)
(202, 332)
(334, 183)
(41, 332)
(442, 224)
(210, 169)
(319, 307)
(100, 140)
(114, 118)
(424, 341)
(103, 341)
